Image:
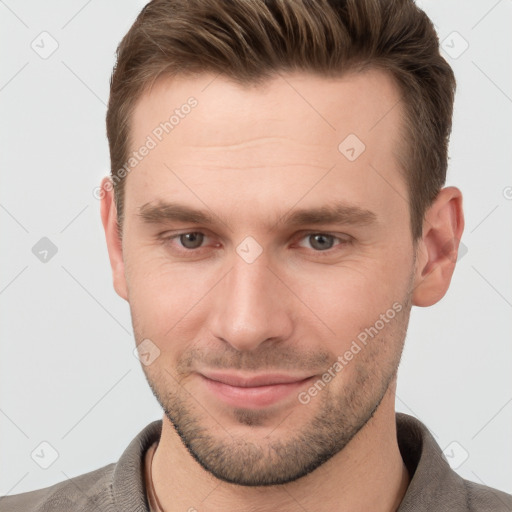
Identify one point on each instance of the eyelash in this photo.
(327, 252)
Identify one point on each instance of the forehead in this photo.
(358, 103)
(277, 138)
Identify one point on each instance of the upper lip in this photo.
(266, 379)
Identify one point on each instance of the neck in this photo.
(368, 474)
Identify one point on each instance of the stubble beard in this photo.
(273, 460)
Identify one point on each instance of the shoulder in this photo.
(434, 484)
(117, 486)
(85, 492)
(482, 498)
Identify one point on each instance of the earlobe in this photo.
(114, 243)
(437, 250)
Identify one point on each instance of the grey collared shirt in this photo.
(119, 487)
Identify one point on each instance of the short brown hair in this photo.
(249, 41)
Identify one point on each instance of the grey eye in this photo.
(191, 240)
(321, 241)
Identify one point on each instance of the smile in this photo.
(252, 392)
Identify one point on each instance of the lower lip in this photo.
(253, 397)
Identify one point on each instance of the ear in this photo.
(114, 243)
(436, 254)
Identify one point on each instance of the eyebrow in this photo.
(337, 213)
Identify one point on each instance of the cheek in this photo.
(351, 296)
(367, 360)
(163, 295)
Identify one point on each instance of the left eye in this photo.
(321, 241)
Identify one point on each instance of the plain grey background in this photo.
(69, 377)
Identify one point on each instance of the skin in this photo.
(250, 157)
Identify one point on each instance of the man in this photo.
(276, 208)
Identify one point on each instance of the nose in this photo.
(252, 306)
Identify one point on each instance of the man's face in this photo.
(262, 288)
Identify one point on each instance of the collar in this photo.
(433, 486)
